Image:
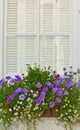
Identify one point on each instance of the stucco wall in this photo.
(44, 124)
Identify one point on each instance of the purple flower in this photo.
(10, 98)
(79, 86)
(45, 89)
(59, 81)
(57, 76)
(2, 82)
(51, 104)
(49, 84)
(42, 96)
(58, 100)
(8, 77)
(74, 73)
(55, 89)
(38, 85)
(17, 91)
(25, 90)
(60, 92)
(18, 78)
(38, 101)
(22, 97)
(65, 73)
(66, 92)
(69, 84)
(67, 79)
(12, 81)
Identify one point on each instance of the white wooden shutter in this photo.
(54, 19)
(64, 43)
(11, 57)
(37, 32)
(47, 51)
(22, 38)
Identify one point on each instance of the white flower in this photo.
(70, 110)
(10, 109)
(14, 108)
(16, 113)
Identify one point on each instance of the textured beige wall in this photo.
(44, 124)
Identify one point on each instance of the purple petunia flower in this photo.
(65, 73)
(12, 81)
(25, 90)
(69, 84)
(58, 100)
(22, 97)
(8, 77)
(45, 89)
(74, 73)
(66, 92)
(18, 78)
(60, 92)
(17, 91)
(58, 82)
(51, 104)
(42, 96)
(2, 82)
(55, 89)
(49, 84)
(67, 79)
(38, 101)
(10, 98)
(38, 85)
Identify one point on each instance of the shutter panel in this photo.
(12, 16)
(48, 51)
(30, 16)
(47, 43)
(54, 19)
(29, 51)
(64, 45)
(64, 16)
(62, 52)
(21, 43)
(11, 62)
(11, 55)
(46, 16)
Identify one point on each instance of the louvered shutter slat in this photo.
(64, 16)
(47, 49)
(46, 16)
(29, 15)
(11, 55)
(12, 16)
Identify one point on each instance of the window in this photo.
(37, 32)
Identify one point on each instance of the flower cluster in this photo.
(27, 97)
(16, 93)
